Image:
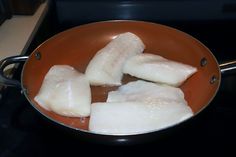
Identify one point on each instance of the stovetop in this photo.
(24, 132)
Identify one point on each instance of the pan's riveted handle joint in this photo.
(24, 90)
(37, 55)
(203, 62)
(213, 79)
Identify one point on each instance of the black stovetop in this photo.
(24, 132)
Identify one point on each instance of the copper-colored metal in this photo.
(78, 45)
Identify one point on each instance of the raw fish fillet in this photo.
(65, 91)
(148, 92)
(106, 66)
(139, 107)
(127, 118)
(158, 69)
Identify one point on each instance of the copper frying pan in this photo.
(78, 45)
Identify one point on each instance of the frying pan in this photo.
(78, 45)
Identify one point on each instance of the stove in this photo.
(24, 132)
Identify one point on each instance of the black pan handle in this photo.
(228, 67)
(4, 63)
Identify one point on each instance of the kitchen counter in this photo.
(16, 33)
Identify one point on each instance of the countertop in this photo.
(17, 33)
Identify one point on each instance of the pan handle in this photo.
(228, 67)
(3, 64)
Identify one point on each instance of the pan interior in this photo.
(76, 47)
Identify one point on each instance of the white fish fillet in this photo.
(106, 66)
(148, 92)
(65, 91)
(127, 118)
(158, 69)
(139, 107)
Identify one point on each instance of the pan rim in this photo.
(136, 134)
